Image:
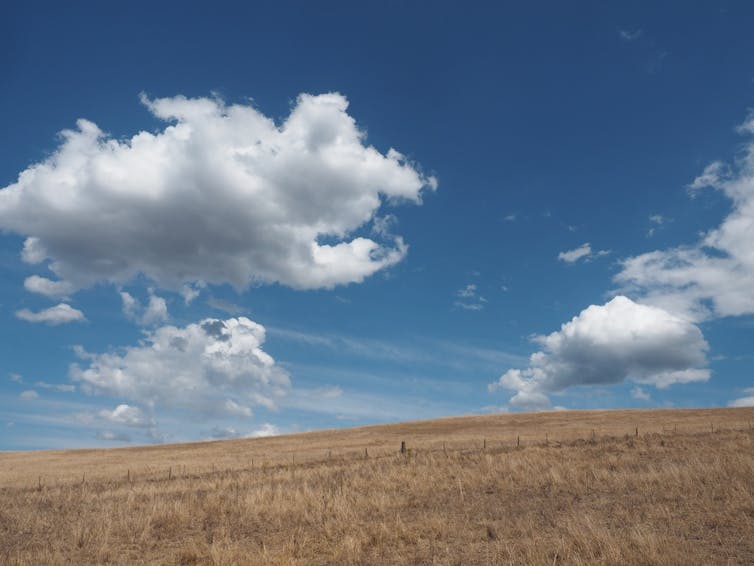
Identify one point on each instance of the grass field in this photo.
(580, 487)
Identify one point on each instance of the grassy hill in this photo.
(613, 487)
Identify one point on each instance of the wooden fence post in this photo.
(403, 446)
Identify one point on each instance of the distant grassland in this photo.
(578, 487)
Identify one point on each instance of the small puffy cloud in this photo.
(190, 292)
(48, 287)
(221, 194)
(265, 430)
(59, 314)
(640, 394)
(584, 252)
(29, 395)
(656, 221)
(713, 277)
(210, 368)
(575, 254)
(620, 340)
(155, 311)
(468, 298)
(16, 378)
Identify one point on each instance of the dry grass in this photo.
(582, 488)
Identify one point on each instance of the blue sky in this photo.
(244, 219)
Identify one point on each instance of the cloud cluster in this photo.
(468, 298)
(221, 194)
(213, 368)
(607, 344)
(713, 277)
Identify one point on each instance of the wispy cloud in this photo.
(630, 35)
(468, 298)
(583, 252)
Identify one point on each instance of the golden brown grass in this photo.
(582, 488)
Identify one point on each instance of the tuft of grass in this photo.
(581, 488)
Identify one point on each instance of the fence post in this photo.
(403, 446)
(170, 473)
(518, 441)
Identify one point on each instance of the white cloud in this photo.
(127, 415)
(190, 292)
(15, 377)
(713, 277)
(265, 430)
(468, 298)
(59, 314)
(211, 368)
(576, 254)
(747, 401)
(47, 287)
(29, 395)
(220, 195)
(657, 221)
(607, 344)
(584, 252)
(640, 394)
(154, 312)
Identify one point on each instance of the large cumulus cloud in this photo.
(221, 194)
(607, 344)
(215, 368)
